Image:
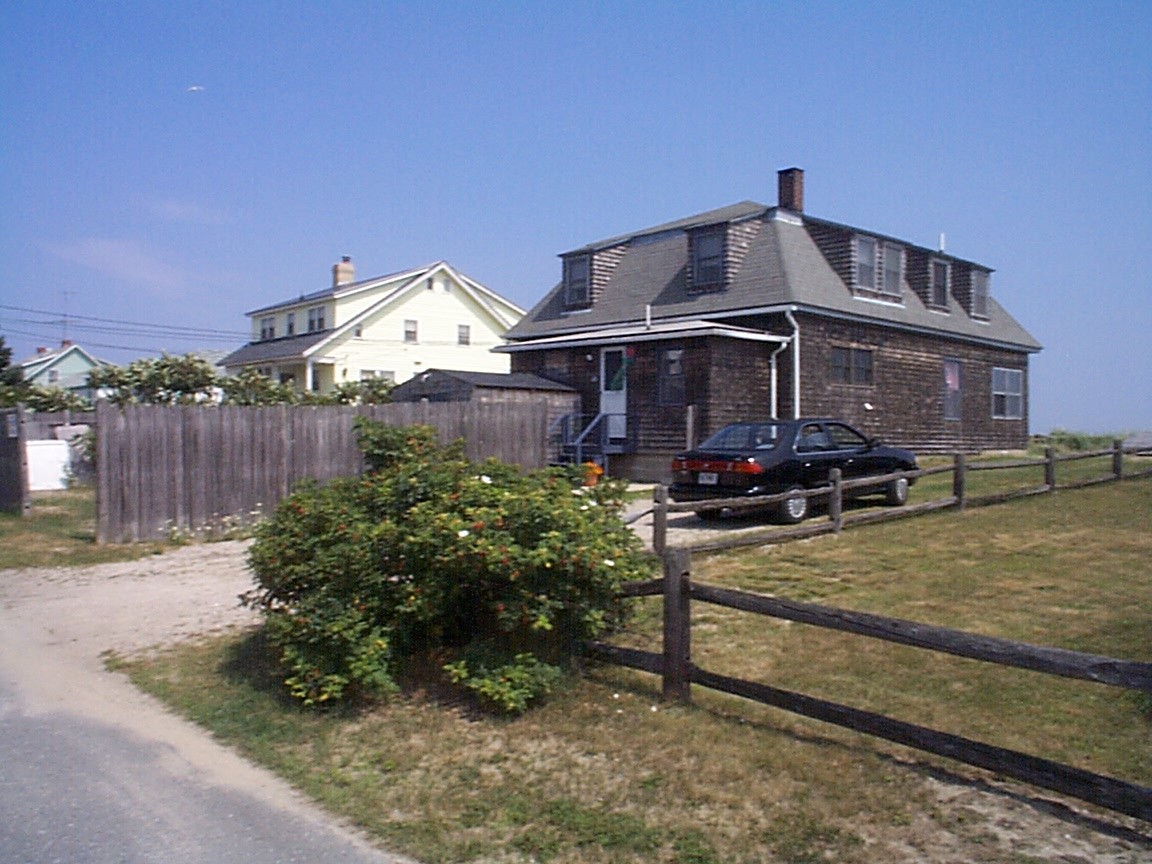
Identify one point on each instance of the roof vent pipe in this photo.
(647, 316)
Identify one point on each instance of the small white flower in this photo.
(608, 562)
(654, 709)
(615, 695)
(579, 490)
(484, 478)
(583, 506)
(463, 532)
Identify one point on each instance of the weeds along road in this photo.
(93, 770)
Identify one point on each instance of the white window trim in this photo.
(891, 250)
(860, 241)
(1008, 393)
(571, 299)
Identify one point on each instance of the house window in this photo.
(463, 334)
(938, 287)
(576, 280)
(980, 293)
(409, 330)
(287, 378)
(893, 269)
(290, 324)
(672, 376)
(851, 366)
(315, 319)
(708, 258)
(268, 328)
(1007, 394)
(53, 376)
(866, 263)
(378, 374)
(953, 374)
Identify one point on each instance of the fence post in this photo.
(1050, 468)
(659, 518)
(690, 427)
(1118, 458)
(836, 501)
(677, 624)
(958, 479)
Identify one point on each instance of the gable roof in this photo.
(502, 312)
(783, 269)
(40, 364)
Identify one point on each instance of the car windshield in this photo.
(745, 436)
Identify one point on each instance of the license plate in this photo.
(708, 478)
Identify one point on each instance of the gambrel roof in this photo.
(783, 268)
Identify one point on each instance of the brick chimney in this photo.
(343, 272)
(790, 184)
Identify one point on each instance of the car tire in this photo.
(896, 492)
(793, 510)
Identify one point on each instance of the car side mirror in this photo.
(872, 443)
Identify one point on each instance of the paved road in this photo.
(94, 772)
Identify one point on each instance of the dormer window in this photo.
(979, 293)
(576, 280)
(290, 324)
(708, 258)
(938, 284)
(268, 328)
(893, 270)
(866, 263)
(315, 319)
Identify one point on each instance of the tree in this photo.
(249, 387)
(12, 384)
(166, 380)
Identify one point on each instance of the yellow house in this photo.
(389, 327)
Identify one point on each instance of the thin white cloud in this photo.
(127, 261)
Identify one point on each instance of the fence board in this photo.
(193, 468)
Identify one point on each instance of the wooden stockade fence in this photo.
(838, 489)
(678, 672)
(184, 471)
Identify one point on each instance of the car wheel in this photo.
(896, 492)
(709, 515)
(793, 510)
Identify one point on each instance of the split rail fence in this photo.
(678, 672)
(674, 663)
(164, 471)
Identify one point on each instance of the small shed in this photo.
(452, 385)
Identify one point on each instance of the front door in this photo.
(614, 391)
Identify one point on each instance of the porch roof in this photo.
(627, 335)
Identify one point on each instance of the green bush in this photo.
(497, 574)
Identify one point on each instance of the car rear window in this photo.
(745, 436)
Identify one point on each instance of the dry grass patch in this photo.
(606, 773)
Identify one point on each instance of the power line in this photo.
(139, 326)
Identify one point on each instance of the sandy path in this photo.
(54, 625)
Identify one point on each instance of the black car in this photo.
(770, 456)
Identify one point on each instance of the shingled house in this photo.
(754, 311)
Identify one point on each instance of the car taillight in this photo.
(748, 466)
(740, 466)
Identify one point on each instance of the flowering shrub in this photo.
(499, 573)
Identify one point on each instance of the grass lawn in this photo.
(606, 772)
(60, 530)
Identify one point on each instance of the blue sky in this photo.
(176, 164)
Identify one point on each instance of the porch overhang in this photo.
(631, 334)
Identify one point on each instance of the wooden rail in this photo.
(674, 664)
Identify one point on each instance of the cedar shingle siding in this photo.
(877, 365)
